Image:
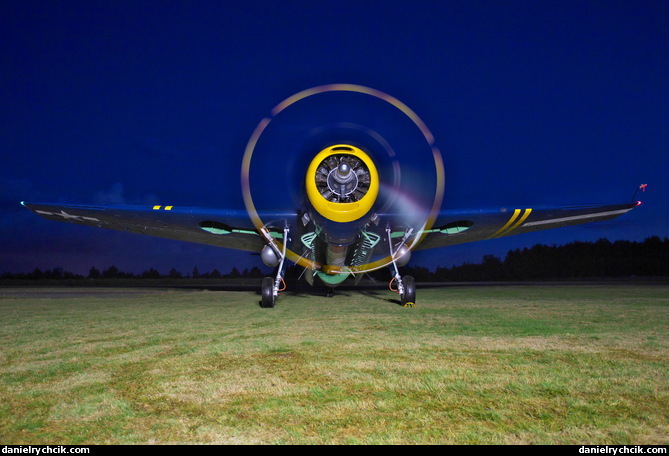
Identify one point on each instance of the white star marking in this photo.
(66, 216)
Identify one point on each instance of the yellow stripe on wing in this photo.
(511, 220)
(510, 225)
(520, 222)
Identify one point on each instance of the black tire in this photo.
(409, 296)
(267, 293)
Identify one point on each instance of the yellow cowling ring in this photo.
(342, 212)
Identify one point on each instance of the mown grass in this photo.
(469, 365)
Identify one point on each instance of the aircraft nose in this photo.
(344, 169)
(343, 174)
(342, 183)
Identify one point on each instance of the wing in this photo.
(460, 226)
(223, 228)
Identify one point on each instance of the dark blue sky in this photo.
(148, 102)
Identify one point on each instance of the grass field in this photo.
(469, 365)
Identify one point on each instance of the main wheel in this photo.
(267, 290)
(409, 296)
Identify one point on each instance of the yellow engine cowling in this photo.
(342, 186)
(342, 183)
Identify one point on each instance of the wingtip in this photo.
(641, 187)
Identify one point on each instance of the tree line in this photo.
(576, 260)
(112, 272)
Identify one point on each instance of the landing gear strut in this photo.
(272, 286)
(406, 286)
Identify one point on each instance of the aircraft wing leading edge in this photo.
(222, 228)
(453, 227)
(233, 229)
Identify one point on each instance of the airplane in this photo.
(340, 179)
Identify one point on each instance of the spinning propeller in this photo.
(360, 154)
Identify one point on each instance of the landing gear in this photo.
(408, 298)
(270, 286)
(406, 286)
(267, 290)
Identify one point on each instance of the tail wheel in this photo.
(408, 298)
(268, 299)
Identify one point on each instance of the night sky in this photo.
(152, 102)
